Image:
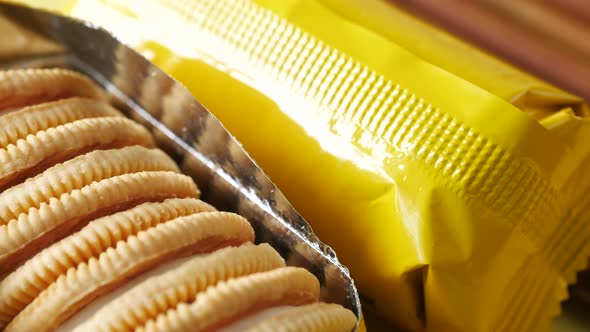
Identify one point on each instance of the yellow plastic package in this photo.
(562, 113)
(565, 115)
(447, 203)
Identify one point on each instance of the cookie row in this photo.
(88, 207)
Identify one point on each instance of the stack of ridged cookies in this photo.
(100, 232)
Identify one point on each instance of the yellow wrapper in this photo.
(567, 116)
(453, 209)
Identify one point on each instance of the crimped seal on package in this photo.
(443, 199)
(565, 115)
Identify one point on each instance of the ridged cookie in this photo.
(79, 172)
(22, 238)
(25, 87)
(230, 300)
(34, 154)
(316, 317)
(202, 232)
(158, 294)
(29, 120)
(22, 286)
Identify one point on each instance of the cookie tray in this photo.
(227, 176)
